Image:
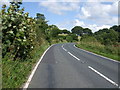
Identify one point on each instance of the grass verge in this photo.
(16, 72)
(107, 51)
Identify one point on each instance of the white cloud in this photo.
(66, 24)
(114, 8)
(103, 26)
(85, 13)
(70, 24)
(93, 27)
(102, 0)
(79, 23)
(6, 2)
(99, 12)
(60, 7)
(96, 15)
(70, 0)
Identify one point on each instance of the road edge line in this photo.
(98, 55)
(35, 68)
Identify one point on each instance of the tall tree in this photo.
(40, 16)
(81, 31)
(53, 31)
(65, 31)
(41, 24)
(116, 28)
(87, 31)
(77, 30)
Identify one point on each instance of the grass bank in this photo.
(15, 73)
(109, 51)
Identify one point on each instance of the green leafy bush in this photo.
(18, 32)
(69, 38)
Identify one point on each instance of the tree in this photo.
(65, 31)
(111, 37)
(87, 31)
(104, 30)
(116, 28)
(41, 26)
(74, 37)
(107, 36)
(69, 38)
(53, 31)
(40, 16)
(81, 31)
(77, 30)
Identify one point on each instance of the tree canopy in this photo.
(81, 31)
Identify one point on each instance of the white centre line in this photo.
(64, 48)
(103, 76)
(74, 46)
(74, 56)
(71, 54)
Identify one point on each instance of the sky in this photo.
(66, 14)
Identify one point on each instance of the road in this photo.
(66, 66)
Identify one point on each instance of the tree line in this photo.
(105, 36)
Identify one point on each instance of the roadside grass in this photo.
(96, 47)
(15, 73)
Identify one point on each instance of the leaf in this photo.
(10, 32)
(19, 40)
(24, 40)
(12, 18)
(14, 26)
(9, 25)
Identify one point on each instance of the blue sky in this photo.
(53, 18)
(67, 14)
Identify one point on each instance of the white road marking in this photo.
(74, 46)
(33, 71)
(103, 76)
(64, 48)
(98, 55)
(74, 56)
